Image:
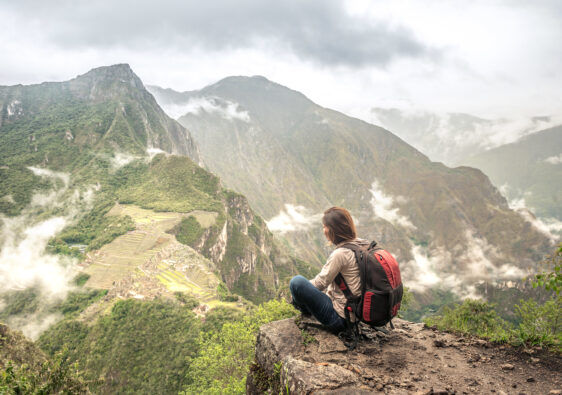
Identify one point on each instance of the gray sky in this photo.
(489, 58)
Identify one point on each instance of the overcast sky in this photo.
(490, 58)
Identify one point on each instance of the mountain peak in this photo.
(115, 73)
(257, 89)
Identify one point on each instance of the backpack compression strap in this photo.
(351, 337)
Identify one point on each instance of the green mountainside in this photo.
(152, 227)
(80, 127)
(277, 147)
(531, 168)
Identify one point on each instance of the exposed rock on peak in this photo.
(302, 358)
(121, 72)
(108, 82)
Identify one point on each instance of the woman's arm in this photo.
(330, 270)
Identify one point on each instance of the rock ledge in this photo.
(297, 356)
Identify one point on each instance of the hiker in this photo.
(308, 296)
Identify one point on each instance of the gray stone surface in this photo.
(302, 358)
(277, 340)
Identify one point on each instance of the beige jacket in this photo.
(341, 260)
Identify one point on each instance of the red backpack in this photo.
(381, 287)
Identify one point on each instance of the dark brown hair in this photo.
(340, 225)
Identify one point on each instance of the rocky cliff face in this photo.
(301, 358)
(249, 259)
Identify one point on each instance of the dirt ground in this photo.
(412, 359)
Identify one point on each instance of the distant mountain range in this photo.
(528, 169)
(293, 159)
(451, 137)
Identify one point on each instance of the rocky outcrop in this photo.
(299, 357)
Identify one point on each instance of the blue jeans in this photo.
(309, 300)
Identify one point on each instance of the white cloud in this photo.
(224, 108)
(32, 325)
(498, 59)
(383, 207)
(152, 152)
(452, 137)
(121, 159)
(554, 160)
(459, 269)
(41, 172)
(294, 218)
(24, 261)
(550, 227)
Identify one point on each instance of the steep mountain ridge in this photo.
(277, 147)
(138, 122)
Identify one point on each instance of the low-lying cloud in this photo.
(550, 227)
(24, 261)
(212, 105)
(121, 159)
(554, 160)
(383, 207)
(294, 218)
(459, 269)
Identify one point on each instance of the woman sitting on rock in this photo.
(308, 296)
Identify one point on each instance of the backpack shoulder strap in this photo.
(360, 256)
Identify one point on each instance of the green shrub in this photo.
(189, 231)
(217, 317)
(224, 357)
(140, 347)
(551, 279)
(540, 324)
(224, 294)
(407, 299)
(473, 317)
(55, 376)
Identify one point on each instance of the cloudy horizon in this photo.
(490, 59)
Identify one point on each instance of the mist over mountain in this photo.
(449, 138)
(293, 159)
(528, 171)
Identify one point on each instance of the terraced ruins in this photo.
(148, 261)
